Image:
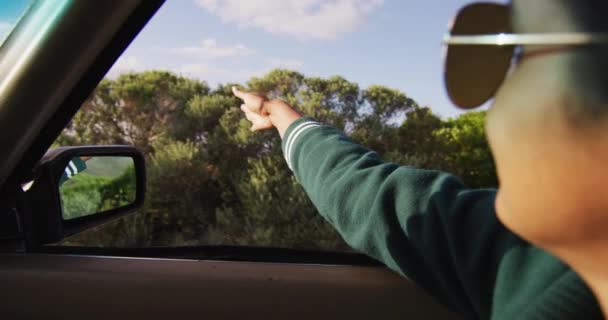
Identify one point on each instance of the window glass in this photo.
(370, 68)
(10, 13)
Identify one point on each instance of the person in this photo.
(74, 167)
(533, 249)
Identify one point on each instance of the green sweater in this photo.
(427, 226)
(74, 167)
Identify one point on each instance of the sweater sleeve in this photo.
(423, 224)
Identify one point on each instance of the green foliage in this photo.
(86, 194)
(212, 181)
(278, 213)
(135, 109)
(466, 151)
(81, 196)
(120, 191)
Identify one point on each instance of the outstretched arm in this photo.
(423, 224)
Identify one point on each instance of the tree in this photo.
(414, 142)
(134, 109)
(213, 181)
(275, 211)
(466, 150)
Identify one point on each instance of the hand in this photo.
(265, 114)
(254, 110)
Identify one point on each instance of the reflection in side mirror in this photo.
(91, 185)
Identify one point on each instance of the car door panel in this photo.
(91, 287)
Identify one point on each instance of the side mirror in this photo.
(91, 185)
(77, 188)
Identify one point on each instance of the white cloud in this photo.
(204, 71)
(210, 49)
(216, 74)
(126, 64)
(206, 62)
(284, 63)
(312, 19)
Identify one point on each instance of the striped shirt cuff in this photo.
(292, 134)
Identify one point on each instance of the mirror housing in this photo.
(44, 198)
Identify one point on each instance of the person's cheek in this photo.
(503, 131)
(520, 139)
(493, 135)
(499, 204)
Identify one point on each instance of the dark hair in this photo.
(590, 15)
(587, 66)
(566, 15)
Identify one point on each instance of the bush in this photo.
(212, 181)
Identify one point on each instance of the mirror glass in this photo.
(90, 185)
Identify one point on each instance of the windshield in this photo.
(10, 13)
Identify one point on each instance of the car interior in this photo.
(49, 65)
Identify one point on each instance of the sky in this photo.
(396, 43)
(10, 12)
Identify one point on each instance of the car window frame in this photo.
(35, 140)
(70, 106)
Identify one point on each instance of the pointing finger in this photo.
(238, 93)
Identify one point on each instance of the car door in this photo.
(49, 65)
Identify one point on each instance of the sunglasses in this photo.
(481, 48)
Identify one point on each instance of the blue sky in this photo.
(396, 43)
(10, 12)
